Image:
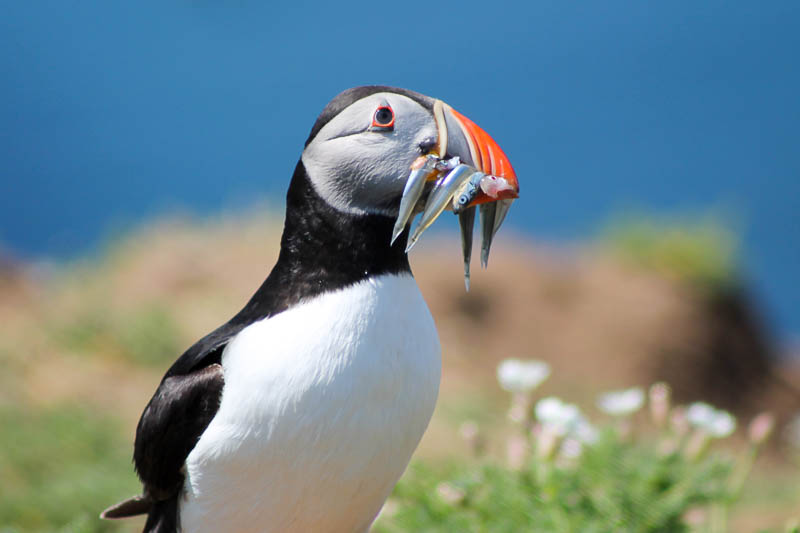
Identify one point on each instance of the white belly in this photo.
(322, 408)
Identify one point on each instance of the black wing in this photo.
(178, 414)
(186, 401)
(171, 425)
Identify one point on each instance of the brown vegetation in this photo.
(599, 321)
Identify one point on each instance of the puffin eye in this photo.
(383, 119)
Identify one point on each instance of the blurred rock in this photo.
(17, 286)
(603, 323)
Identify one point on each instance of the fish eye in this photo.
(383, 119)
(427, 145)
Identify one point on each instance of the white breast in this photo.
(322, 408)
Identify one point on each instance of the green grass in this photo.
(148, 336)
(613, 486)
(701, 250)
(59, 468)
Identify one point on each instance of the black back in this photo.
(322, 249)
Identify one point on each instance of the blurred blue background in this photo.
(113, 112)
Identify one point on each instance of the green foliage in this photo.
(59, 468)
(565, 473)
(84, 331)
(149, 337)
(698, 250)
(614, 485)
(146, 336)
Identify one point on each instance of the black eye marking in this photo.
(383, 119)
(383, 116)
(427, 145)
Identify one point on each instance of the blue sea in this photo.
(112, 112)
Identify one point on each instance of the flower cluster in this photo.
(716, 423)
(565, 471)
(555, 427)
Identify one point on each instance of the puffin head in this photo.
(377, 150)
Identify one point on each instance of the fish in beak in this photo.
(466, 170)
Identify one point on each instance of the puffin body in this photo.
(302, 411)
(322, 408)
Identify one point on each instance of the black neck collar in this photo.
(323, 249)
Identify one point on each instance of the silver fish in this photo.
(500, 214)
(467, 192)
(442, 193)
(488, 212)
(466, 220)
(412, 193)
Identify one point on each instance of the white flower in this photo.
(715, 422)
(723, 425)
(622, 402)
(561, 422)
(515, 375)
(559, 417)
(700, 414)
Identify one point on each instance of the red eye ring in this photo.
(383, 119)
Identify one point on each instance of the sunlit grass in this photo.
(59, 468)
(565, 472)
(614, 486)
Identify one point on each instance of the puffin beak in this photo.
(468, 170)
(459, 136)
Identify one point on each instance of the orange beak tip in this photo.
(508, 195)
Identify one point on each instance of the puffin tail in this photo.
(130, 507)
(162, 516)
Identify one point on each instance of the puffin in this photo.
(303, 410)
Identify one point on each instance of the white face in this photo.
(361, 170)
